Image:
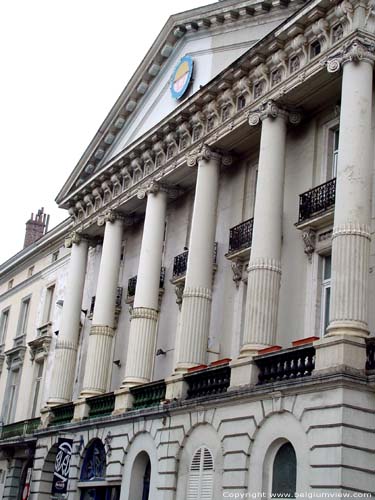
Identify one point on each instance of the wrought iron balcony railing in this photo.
(101, 406)
(62, 414)
(148, 395)
(285, 365)
(20, 429)
(317, 200)
(208, 382)
(370, 354)
(132, 283)
(180, 263)
(240, 236)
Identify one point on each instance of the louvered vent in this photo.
(200, 485)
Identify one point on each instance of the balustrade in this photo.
(317, 200)
(240, 236)
(208, 382)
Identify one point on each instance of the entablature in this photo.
(269, 71)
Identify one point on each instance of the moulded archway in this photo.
(275, 431)
(46, 477)
(140, 469)
(202, 437)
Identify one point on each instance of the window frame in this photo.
(325, 293)
(23, 318)
(4, 324)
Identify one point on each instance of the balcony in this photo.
(208, 382)
(294, 363)
(101, 406)
(62, 414)
(240, 240)
(180, 265)
(148, 395)
(20, 429)
(132, 285)
(316, 206)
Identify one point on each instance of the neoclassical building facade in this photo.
(200, 327)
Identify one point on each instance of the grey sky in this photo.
(63, 64)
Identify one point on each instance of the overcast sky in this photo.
(63, 65)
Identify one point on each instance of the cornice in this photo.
(265, 73)
(203, 19)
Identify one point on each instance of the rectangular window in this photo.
(48, 304)
(335, 151)
(10, 284)
(4, 320)
(30, 271)
(55, 256)
(326, 293)
(12, 396)
(37, 390)
(24, 317)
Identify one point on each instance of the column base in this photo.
(244, 372)
(339, 353)
(46, 417)
(56, 402)
(347, 328)
(81, 410)
(123, 402)
(250, 350)
(176, 388)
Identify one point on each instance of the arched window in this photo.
(284, 473)
(201, 475)
(94, 463)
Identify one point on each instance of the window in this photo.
(4, 320)
(337, 33)
(50, 295)
(201, 475)
(315, 49)
(326, 293)
(55, 256)
(241, 102)
(30, 271)
(12, 393)
(10, 284)
(37, 390)
(294, 64)
(92, 305)
(284, 472)
(23, 318)
(335, 151)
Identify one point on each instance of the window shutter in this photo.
(200, 484)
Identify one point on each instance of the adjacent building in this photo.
(200, 325)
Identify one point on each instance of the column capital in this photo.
(207, 153)
(75, 238)
(111, 216)
(355, 51)
(154, 187)
(270, 109)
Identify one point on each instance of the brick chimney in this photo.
(36, 227)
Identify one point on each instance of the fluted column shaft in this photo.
(197, 296)
(351, 233)
(144, 319)
(264, 270)
(99, 352)
(67, 343)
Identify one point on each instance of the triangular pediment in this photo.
(213, 37)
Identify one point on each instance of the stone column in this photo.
(264, 270)
(99, 352)
(67, 343)
(351, 233)
(144, 318)
(197, 296)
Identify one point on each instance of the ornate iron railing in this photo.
(286, 365)
(20, 429)
(132, 283)
(241, 236)
(180, 262)
(62, 414)
(148, 395)
(370, 354)
(317, 200)
(101, 406)
(208, 382)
